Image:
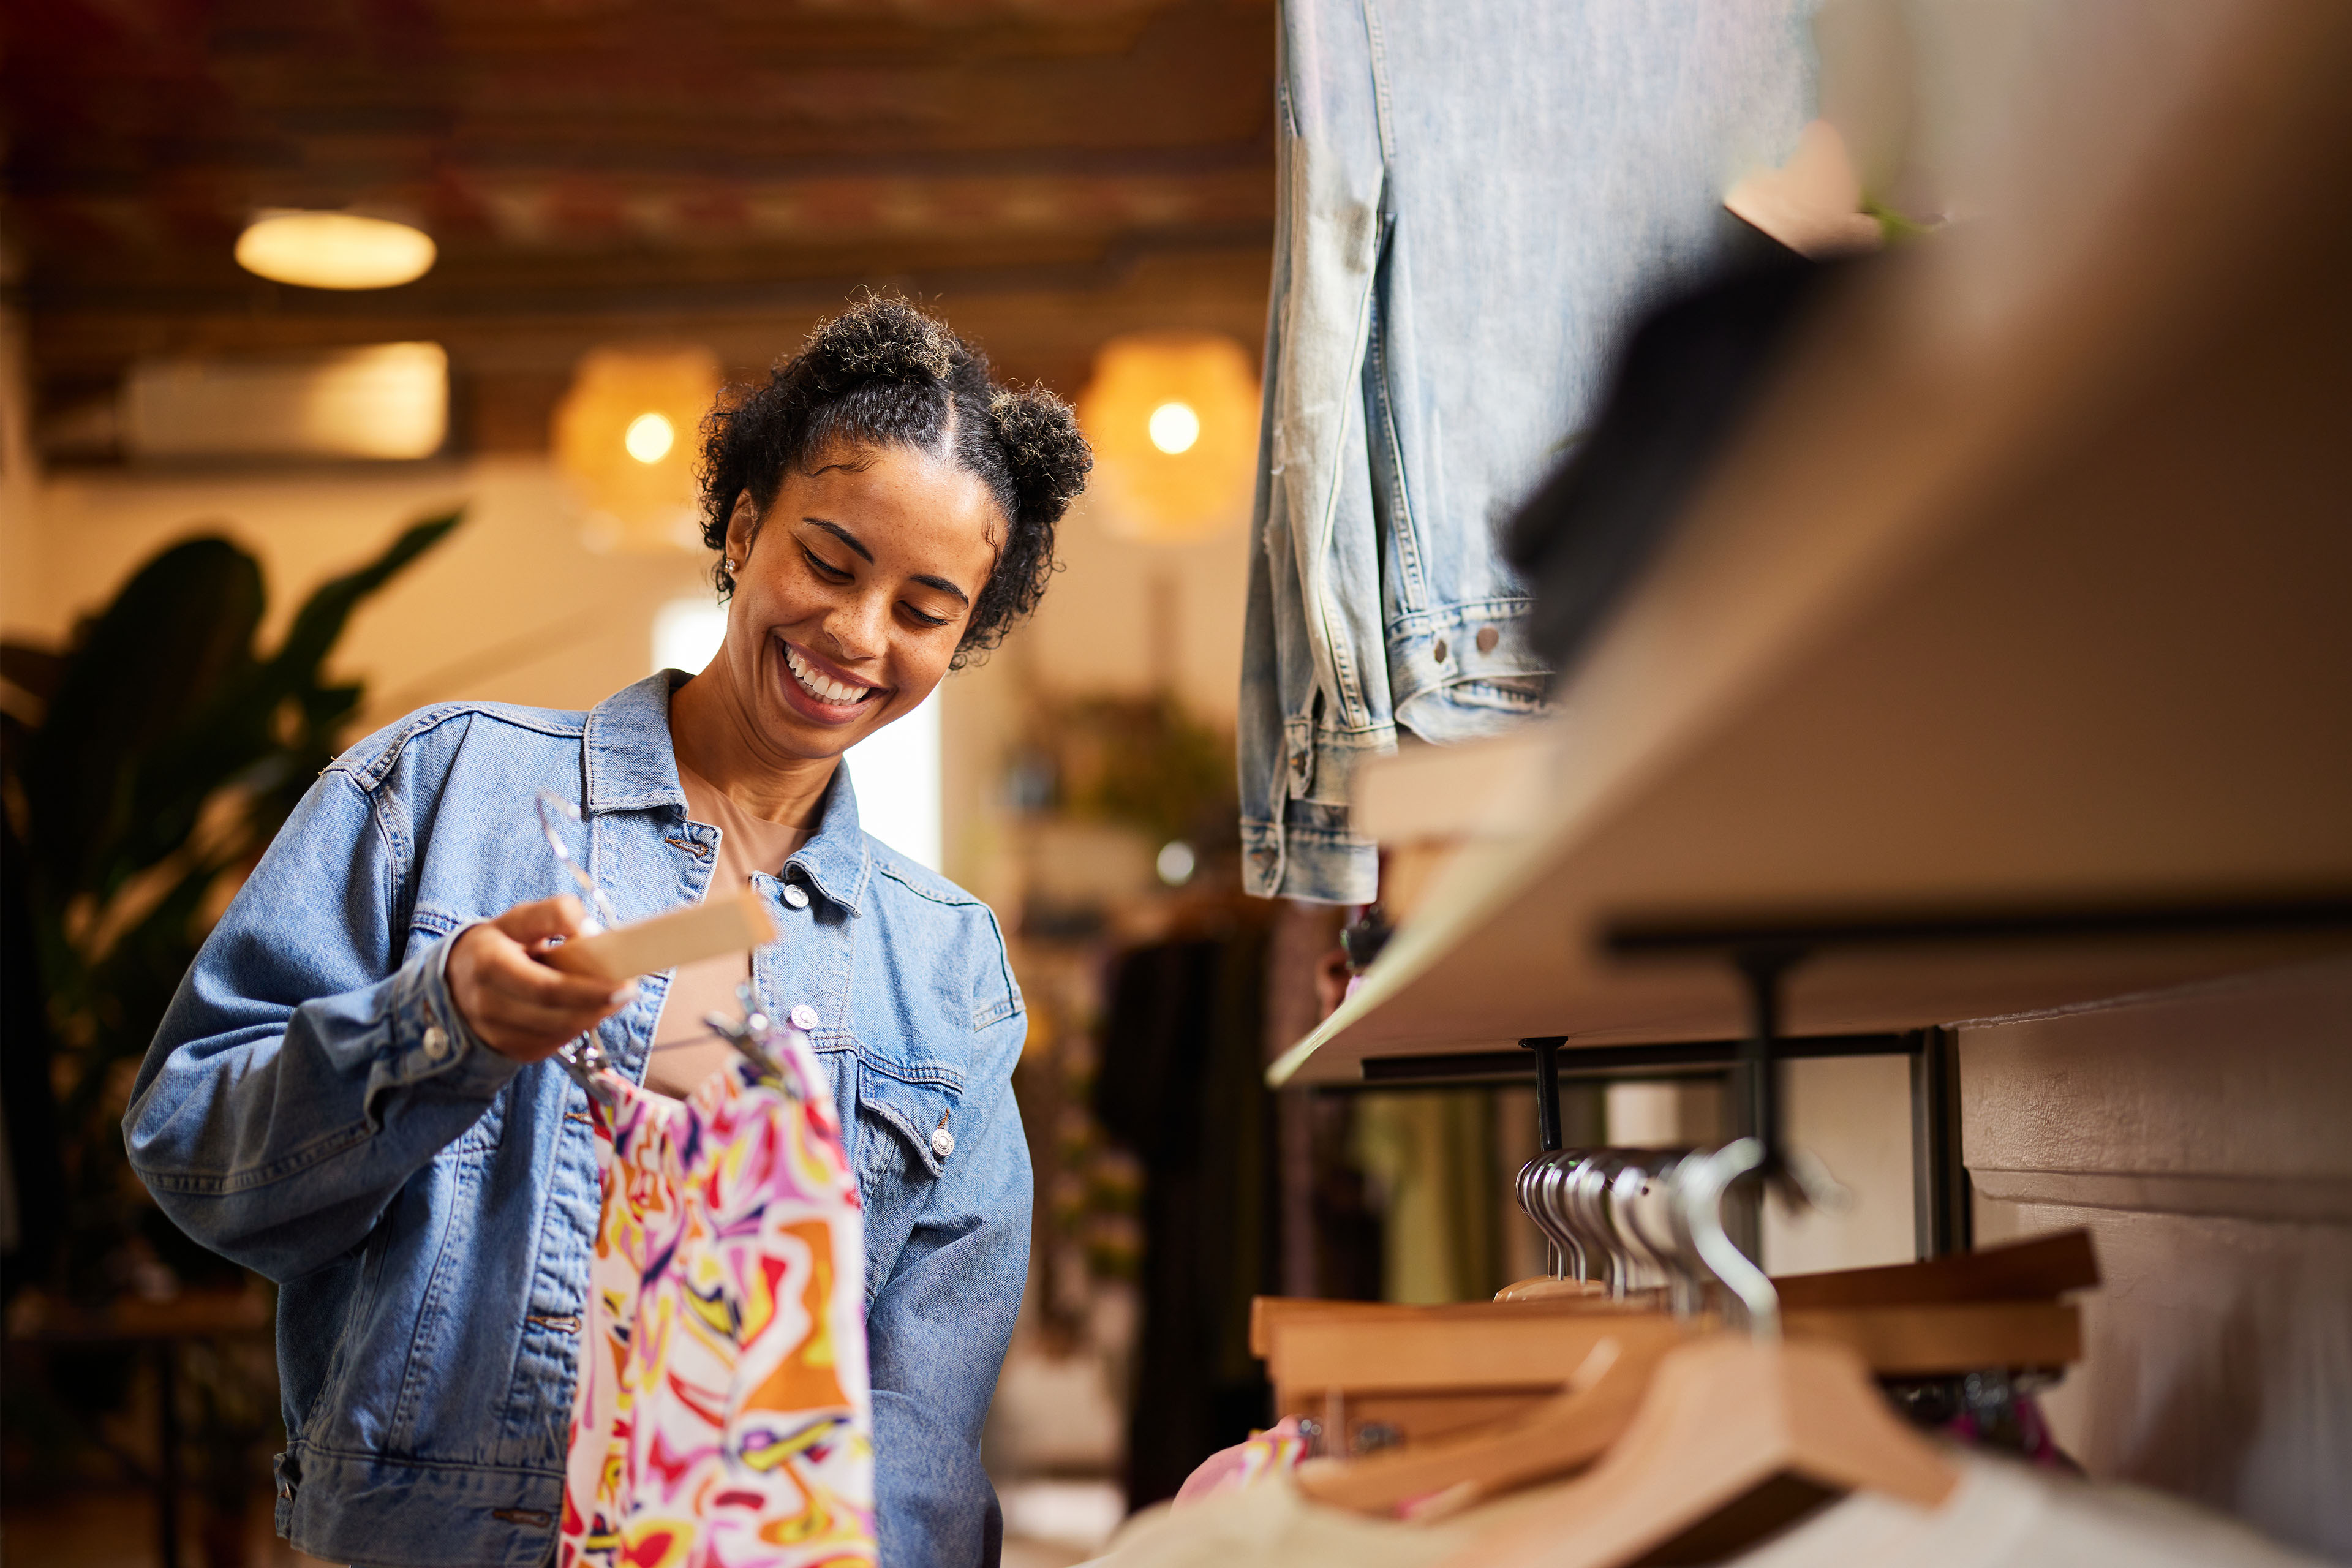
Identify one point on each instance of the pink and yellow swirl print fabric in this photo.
(723, 1419)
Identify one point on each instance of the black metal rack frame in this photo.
(1765, 952)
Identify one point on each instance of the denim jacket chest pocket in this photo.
(898, 1124)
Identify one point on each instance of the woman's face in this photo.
(852, 592)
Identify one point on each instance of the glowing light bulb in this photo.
(334, 251)
(649, 437)
(1174, 427)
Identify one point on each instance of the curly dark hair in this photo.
(886, 372)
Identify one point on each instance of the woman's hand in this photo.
(517, 1005)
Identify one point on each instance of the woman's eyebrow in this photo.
(851, 540)
(944, 587)
(844, 535)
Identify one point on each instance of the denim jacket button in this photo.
(796, 895)
(1488, 637)
(943, 1142)
(1440, 650)
(804, 1016)
(436, 1042)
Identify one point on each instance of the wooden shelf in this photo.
(2026, 590)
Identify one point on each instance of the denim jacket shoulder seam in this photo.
(370, 774)
(959, 899)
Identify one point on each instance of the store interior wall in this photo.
(2198, 1135)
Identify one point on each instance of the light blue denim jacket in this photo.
(314, 1109)
(1473, 200)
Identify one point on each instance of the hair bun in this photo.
(879, 339)
(1042, 447)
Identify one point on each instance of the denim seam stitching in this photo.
(1402, 527)
(429, 720)
(916, 1139)
(412, 1377)
(293, 1163)
(483, 1466)
(940, 1076)
(965, 901)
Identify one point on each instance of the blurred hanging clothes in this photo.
(1433, 1157)
(1181, 1055)
(1473, 200)
(1694, 365)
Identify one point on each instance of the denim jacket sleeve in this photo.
(313, 1060)
(938, 1328)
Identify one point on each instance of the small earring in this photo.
(727, 563)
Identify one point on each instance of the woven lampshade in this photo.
(626, 435)
(1196, 393)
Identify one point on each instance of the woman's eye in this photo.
(924, 620)
(824, 568)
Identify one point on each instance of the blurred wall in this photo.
(515, 607)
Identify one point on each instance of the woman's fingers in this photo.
(515, 971)
(559, 916)
(515, 1004)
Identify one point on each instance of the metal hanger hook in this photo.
(599, 912)
(1536, 1181)
(1701, 1184)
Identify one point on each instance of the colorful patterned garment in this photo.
(723, 1419)
(1277, 1450)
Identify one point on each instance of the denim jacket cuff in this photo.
(1286, 860)
(429, 1037)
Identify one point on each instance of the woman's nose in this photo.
(858, 629)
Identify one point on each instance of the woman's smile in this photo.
(820, 689)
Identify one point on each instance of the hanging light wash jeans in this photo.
(314, 1109)
(1475, 199)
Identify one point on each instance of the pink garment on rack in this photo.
(723, 1418)
(1279, 1448)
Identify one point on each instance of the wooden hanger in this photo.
(1737, 1431)
(2042, 1269)
(1552, 1288)
(1724, 1419)
(1946, 1314)
(1431, 1480)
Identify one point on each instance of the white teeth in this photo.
(820, 686)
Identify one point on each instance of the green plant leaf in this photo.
(179, 630)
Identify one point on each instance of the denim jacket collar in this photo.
(834, 859)
(631, 766)
(630, 763)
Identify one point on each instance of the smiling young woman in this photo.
(351, 1094)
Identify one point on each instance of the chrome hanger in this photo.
(1685, 1284)
(1534, 1181)
(755, 1034)
(1701, 1184)
(599, 912)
